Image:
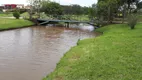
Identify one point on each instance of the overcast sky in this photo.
(64, 2)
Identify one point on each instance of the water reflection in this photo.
(83, 26)
(32, 53)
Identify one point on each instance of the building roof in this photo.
(10, 4)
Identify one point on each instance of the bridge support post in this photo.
(68, 25)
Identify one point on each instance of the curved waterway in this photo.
(32, 53)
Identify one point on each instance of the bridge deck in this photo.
(44, 21)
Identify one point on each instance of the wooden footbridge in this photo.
(67, 22)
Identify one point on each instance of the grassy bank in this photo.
(6, 23)
(6, 15)
(116, 55)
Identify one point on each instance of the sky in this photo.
(63, 2)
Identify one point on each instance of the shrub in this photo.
(16, 14)
(132, 20)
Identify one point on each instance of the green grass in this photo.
(6, 23)
(25, 15)
(6, 15)
(116, 55)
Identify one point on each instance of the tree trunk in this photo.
(109, 14)
(30, 13)
(124, 13)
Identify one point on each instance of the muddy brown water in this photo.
(32, 53)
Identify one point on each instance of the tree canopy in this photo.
(110, 8)
(51, 8)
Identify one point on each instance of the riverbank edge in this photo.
(20, 27)
(17, 28)
(56, 72)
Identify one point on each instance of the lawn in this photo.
(6, 23)
(116, 55)
(6, 15)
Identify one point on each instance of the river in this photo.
(32, 53)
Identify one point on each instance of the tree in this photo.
(51, 8)
(76, 9)
(130, 3)
(34, 7)
(107, 9)
(67, 9)
(92, 12)
(16, 14)
(139, 5)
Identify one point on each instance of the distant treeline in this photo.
(53, 8)
(75, 9)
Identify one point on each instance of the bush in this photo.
(16, 14)
(132, 20)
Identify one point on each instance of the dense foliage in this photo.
(74, 9)
(51, 8)
(110, 9)
(107, 10)
(16, 14)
